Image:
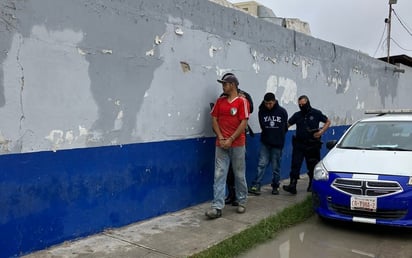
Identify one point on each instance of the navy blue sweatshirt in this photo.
(307, 123)
(274, 125)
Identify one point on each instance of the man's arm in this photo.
(325, 127)
(240, 129)
(216, 128)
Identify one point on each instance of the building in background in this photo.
(263, 12)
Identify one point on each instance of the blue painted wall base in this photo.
(49, 197)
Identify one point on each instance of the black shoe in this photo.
(275, 188)
(235, 203)
(290, 189)
(230, 200)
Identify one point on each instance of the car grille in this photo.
(376, 188)
(379, 214)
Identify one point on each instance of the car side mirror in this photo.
(331, 144)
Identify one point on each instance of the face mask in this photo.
(304, 108)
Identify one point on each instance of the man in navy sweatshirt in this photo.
(273, 121)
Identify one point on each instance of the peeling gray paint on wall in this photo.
(110, 72)
(117, 72)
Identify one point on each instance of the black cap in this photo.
(269, 97)
(229, 77)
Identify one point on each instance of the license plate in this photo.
(363, 203)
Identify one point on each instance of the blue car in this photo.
(367, 175)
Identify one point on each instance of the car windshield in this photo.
(383, 135)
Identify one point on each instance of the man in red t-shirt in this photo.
(229, 119)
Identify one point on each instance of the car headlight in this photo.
(320, 172)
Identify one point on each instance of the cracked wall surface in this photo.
(105, 106)
(117, 72)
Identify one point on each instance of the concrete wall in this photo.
(105, 106)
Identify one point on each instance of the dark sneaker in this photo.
(254, 190)
(241, 209)
(235, 203)
(275, 191)
(213, 213)
(275, 188)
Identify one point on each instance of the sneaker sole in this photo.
(254, 193)
(214, 216)
(289, 191)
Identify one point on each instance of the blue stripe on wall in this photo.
(50, 197)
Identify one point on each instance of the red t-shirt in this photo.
(229, 116)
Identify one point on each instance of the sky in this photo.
(359, 25)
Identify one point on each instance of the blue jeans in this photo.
(268, 154)
(223, 157)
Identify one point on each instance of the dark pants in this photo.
(230, 179)
(230, 183)
(308, 150)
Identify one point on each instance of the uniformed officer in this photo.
(306, 142)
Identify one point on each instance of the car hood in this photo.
(369, 161)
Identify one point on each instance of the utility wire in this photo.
(402, 23)
(380, 41)
(396, 43)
